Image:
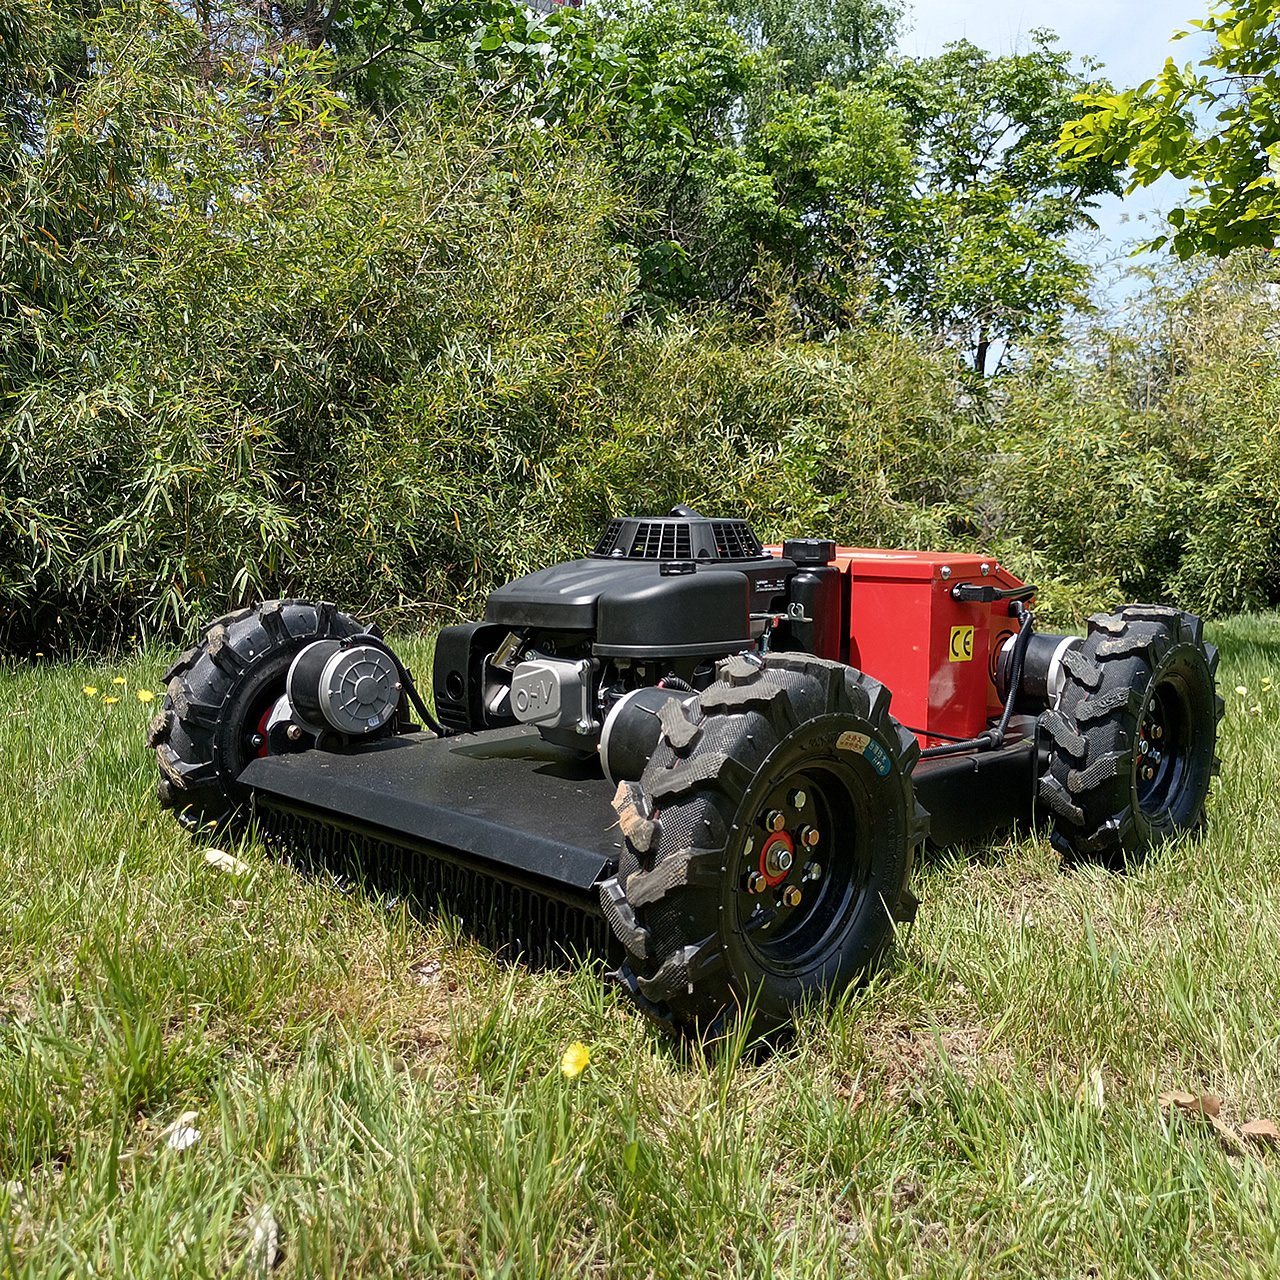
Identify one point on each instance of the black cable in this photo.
(674, 682)
(933, 733)
(406, 681)
(1025, 627)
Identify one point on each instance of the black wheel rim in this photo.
(248, 712)
(790, 914)
(1164, 746)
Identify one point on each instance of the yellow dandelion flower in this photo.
(573, 1062)
(1266, 684)
(144, 695)
(109, 700)
(89, 690)
(1242, 690)
(118, 680)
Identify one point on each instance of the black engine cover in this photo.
(689, 615)
(634, 610)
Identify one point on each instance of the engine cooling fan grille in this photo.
(678, 538)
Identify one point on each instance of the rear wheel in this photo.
(768, 843)
(1133, 734)
(218, 698)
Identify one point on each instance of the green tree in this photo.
(980, 254)
(1218, 126)
(810, 41)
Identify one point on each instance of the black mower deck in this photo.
(480, 809)
(490, 797)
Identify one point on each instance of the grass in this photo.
(381, 1096)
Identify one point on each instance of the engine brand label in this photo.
(875, 754)
(961, 644)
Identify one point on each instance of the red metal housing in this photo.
(936, 654)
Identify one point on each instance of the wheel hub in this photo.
(1160, 749)
(801, 827)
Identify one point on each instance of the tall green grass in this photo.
(392, 1094)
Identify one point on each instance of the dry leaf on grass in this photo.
(1202, 1104)
(227, 862)
(264, 1254)
(182, 1133)
(1261, 1131)
(1092, 1091)
(425, 972)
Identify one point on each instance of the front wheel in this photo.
(218, 697)
(1133, 735)
(768, 844)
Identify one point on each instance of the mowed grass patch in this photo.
(195, 1063)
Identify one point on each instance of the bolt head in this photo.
(782, 859)
(986, 569)
(945, 572)
(756, 883)
(813, 871)
(293, 733)
(776, 820)
(799, 799)
(810, 836)
(791, 896)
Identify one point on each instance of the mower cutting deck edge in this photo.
(679, 749)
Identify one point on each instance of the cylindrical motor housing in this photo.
(353, 688)
(631, 731)
(1042, 674)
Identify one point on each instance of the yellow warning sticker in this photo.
(961, 644)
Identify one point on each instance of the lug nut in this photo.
(1157, 731)
(809, 836)
(255, 740)
(775, 820)
(756, 883)
(798, 799)
(293, 733)
(813, 871)
(791, 896)
(779, 860)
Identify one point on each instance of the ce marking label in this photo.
(961, 644)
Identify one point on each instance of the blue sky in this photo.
(1132, 40)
